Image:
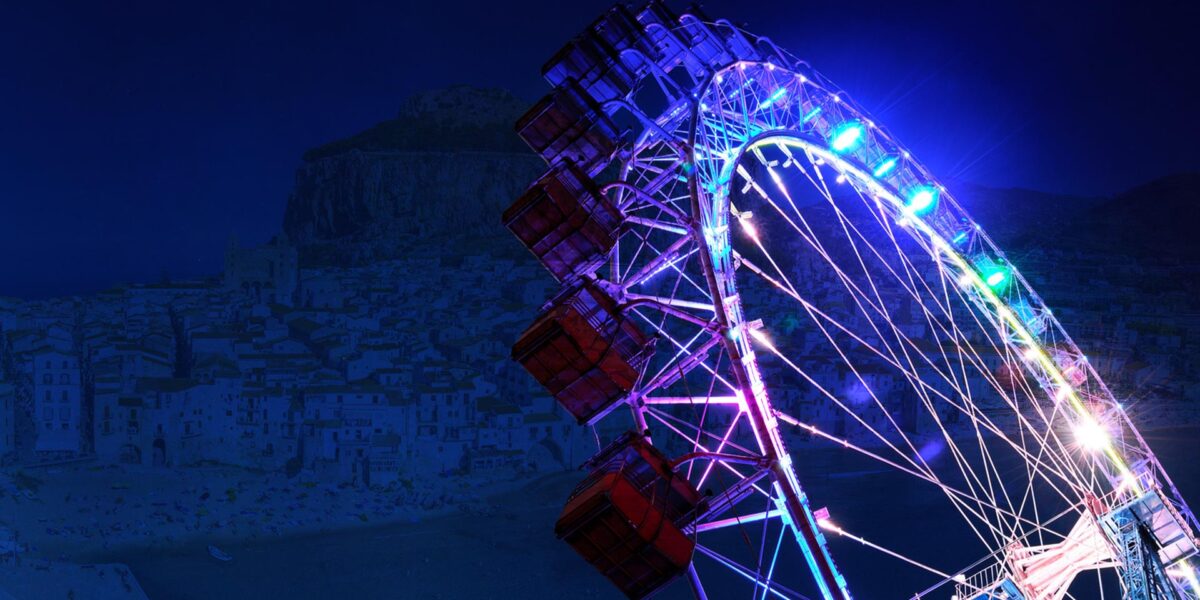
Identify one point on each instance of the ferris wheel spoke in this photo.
(807, 306)
(643, 242)
(733, 425)
(678, 426)
(909, 283)
(966, 409)
(833, 398)
(775, 589)
(735, 468)
(1049, 422)
(1051, 431)
(677, 266)
(951, 441)
(814, 310)
(922, 362)
(686, 359)
(714, 524)
(859, 293)
(963, 496)
(658, 328)
(900, 338)
(695, 400)
(774, 560)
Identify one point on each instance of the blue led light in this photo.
(922, 200)
(960, 238)
(811, 115)
(885, 166)
(847, 136)
(779, 93)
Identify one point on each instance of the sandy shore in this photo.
(511, 553)
(451, 538)
(40, 579)
(63, 512)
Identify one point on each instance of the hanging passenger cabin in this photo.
(585, 352)
(628, 517)
(607, 59)
(568, 124)
(565, 221)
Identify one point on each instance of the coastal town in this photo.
(354, 372)
(279, 400)
(332, 373)
(335, 375)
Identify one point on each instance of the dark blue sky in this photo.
(136, 137)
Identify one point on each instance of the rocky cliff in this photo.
(447, 165)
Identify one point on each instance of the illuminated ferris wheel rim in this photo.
(676, 179)
(713, 207)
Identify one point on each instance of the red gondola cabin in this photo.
(565, 221)
(627, 518)
(585, 352)
(599, 59)
(568, 124)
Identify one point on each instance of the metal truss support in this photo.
(1144, 577)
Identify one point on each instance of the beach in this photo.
(498, 541)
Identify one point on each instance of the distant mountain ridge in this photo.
(455, 118)
(1155, 221)
(447, 165)
(450, 162)
(1008, 214)
(1158, 219)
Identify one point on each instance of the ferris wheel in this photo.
(793, 346)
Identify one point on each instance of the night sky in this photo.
(137, 136)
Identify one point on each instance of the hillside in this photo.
(447, 165)
(1157, 220)
(1153, 222)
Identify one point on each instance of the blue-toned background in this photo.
(255, 293)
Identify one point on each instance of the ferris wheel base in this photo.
(1164, 526)
(1143, 537)
(1150, 537)
(1004, 590)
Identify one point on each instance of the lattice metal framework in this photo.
(764, 266)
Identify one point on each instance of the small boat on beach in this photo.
(218, 554)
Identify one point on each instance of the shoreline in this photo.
(68, 513)
(159, 509)
(428, 555)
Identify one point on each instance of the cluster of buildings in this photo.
(368, 375)
(401, 369)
